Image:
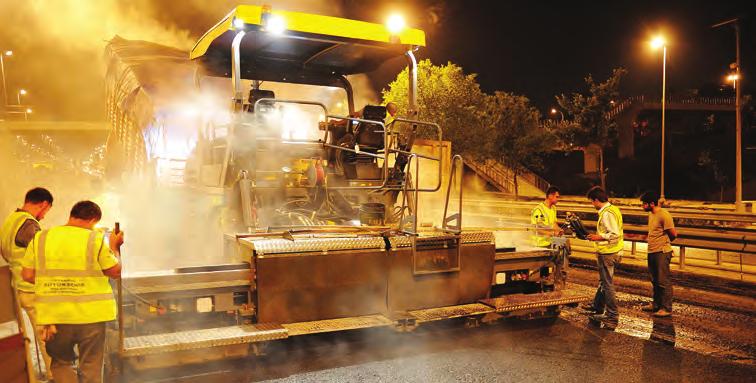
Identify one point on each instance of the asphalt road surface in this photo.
(697, 345)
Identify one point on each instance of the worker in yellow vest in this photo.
(609, 246)
(69, 267)
(17, 231)
(544, 217)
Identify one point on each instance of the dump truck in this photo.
(327, 237)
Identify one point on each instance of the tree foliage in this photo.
(503, 126)
(517, 138)
(587, 113)
(446, 96)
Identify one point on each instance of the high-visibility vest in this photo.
(542, 216)
(614, 245)
(70, 286)
(12, 252)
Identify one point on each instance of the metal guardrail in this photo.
(722, 233)
(695, 238)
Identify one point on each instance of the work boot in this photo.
(589, 308)
(662, 313)
(607, 322)
(649, 307)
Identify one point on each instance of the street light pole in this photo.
(739, 207)
(656, 43)
(663, 108)
(2, 71)
(738, 128)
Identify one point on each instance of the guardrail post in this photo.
(632, 248)
(719, 257)
(682, 257)
(740, 257)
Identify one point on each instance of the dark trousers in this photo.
(90, 339)
(604, 300)
(658, 267)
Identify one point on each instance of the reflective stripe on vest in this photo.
(91, 270)
(542, 240)
(72, 298)
(12, 252)
(614, 245)
(71, 295)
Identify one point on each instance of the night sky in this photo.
(540, 49)
(537, 49)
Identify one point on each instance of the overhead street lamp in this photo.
(395, 24)
(734, 78)
(554, 111)
(656, 43)
(2, 71)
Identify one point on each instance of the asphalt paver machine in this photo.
(327, 237)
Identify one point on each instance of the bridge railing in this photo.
(621, 106)
(504, 176)
(696, 100)
(686, 100)
(501, 176)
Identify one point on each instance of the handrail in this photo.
(497, 175)
(446, 226)
(412, 218)
(504, 175)
(388, 150)
(438, 159)
(325, 144)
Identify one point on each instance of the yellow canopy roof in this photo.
(310, 43)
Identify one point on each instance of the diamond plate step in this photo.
(197, 339)
(339, 324)
(449, 312)
(531, 301)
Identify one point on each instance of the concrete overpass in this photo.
(627, 111)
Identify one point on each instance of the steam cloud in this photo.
(58, 50)
(58, 44)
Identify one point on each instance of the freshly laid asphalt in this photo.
(698, 344)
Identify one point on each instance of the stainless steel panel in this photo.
(172, 281)
(186, 287)
(472, 282)
(306, 287)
